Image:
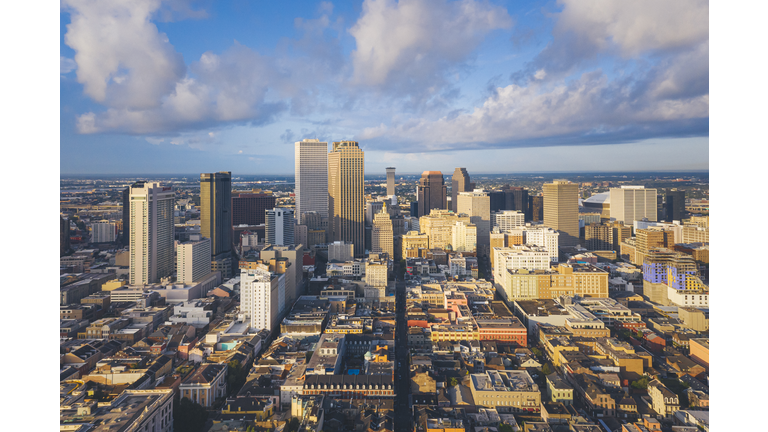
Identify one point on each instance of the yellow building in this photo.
(561, 210)
(569, 279)
(414, 243)
(113, 285)
(346, 194)
(438, 226)
(381, 233)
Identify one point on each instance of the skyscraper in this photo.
(675, 205)
(216, 218)
(631, 203)
(381, 234)
(279, 229)
(193, 261)
(250, 208)
(432, 192)
(561, 210)
(64, 235)
(151, 254)
(535, 208)
(477, 205)
(390, 181)
(126, 235)
(459, 183)
(311, 161)
(346, 194)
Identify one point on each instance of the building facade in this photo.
(432, 192)
(311, 160)
(193, 261)
(459, 183)
(280, 227)
(381, 234)
(561, 210)
(477, 205)
(631, 203)
(346, 201)
(152, 232)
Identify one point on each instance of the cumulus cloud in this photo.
(408, 46)
(123, 61)
(584, 30)
(589, 110)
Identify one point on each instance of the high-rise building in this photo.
(464, 237)
(561, 210)
(346, 193)
(152, 232)
(432, 192)
(390, 181)
(261, 297)
(535, 208)
(216, 210)
(280, 227)
(516, 199)
(286, 260)
(544, 237)
(506, 220)
(477, 205)
(675, 205)
(216, 218)
(371, 208)
(64, 235)
(381, 234)
(193, 261)
(250, 208)
(598, 237)
(103, 232)
(498, 200)
(459, 183)
(311, 160)
(619, 233)
(341, 251)
(438, 226)
(126, 235)
(631, 203)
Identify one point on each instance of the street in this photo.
(403, 413)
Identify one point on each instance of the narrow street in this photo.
(403, 413)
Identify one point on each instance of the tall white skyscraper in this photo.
(311, 160)
(151, 243)
(193, 261)
(545, 237)
(262, 296)
(279, 227)
(633, 203)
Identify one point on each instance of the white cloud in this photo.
(67, 65)
(590, 106)
(412, 43)
(123, 61)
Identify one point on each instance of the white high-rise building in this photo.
(103, 232)
(152, 232)
(464, 237)
(544, 237)
(633, 203)
(279, 227)
(262, 297)
(518, 257)
(193, 261)
(311, 159)
(506, 220)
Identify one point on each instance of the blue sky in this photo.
(150, 86)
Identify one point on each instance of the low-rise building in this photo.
(506, 390)
(206, 384)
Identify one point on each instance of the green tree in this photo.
(536, 351)
(452, 382)
(292, 425)
(546, 369)
(189, 416)
(505, 428)
(640, 384)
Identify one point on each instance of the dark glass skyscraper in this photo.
(432, 192)
(675, 205)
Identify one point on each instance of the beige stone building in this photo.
(381, 233)
(438, 225)
(477, 205)
(414, 243)
(663, 400)
(561, 210)
(509, 391)
(206, 384)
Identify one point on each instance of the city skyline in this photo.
(504, 87)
